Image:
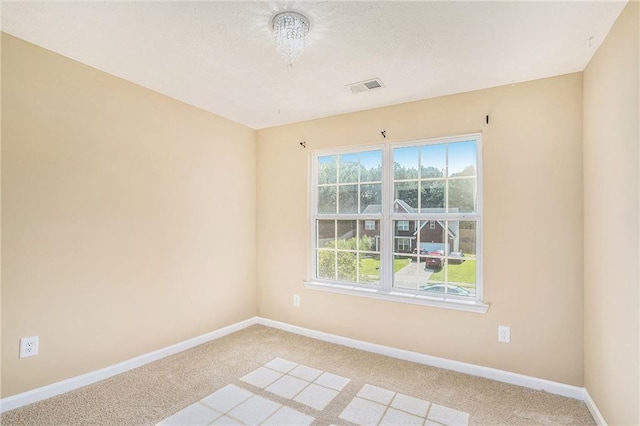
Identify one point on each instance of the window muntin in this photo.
(347, 252)
(431, 222)
(349, 183)
(445, 177)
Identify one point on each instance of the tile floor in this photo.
(377, 406)
(233, 405)
(306, 385)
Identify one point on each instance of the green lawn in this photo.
(370, 266)
(464, 273)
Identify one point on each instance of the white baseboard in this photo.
(462, 367)
(593, 409)
(39, 394)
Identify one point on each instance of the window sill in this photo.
(414, 299)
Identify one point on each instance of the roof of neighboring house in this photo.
(453, 230)
(400, 205)
(373, 209)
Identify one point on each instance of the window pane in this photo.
(348, 168)
(406, 197)
(404, 238)
(327, 169)
(369, 235)
(326, 264)
(435, 266)
(408, 273)
(433, 260)
(467, 239)
(348, 198)
(405, 163)
(455, 275)
(369, 268)
(371, 198)
(435, 281)
(347, 266)
(462, 195)
(461, 280)
(326, 233)
(347, 234)
(433, 159)
(371, 166)
(432, 238)
(462, 159)
(432, 196)
(327, 199)
(462, 237)
(461, 277)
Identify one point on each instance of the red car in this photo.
(434, 260)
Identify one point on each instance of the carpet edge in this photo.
(504, 376)
(48, 391)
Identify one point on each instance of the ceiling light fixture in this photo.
(290, 32)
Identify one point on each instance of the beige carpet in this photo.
(155, 391)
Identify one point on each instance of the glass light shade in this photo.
(290, 31)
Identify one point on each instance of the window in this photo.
(374, 217)
(403, 244)
(403, 225)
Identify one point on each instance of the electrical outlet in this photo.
(296, 301)
(28, 346)
(504, 334)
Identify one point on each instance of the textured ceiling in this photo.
(219, 56)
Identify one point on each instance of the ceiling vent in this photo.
(365, 86)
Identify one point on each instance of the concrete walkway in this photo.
(412, 276)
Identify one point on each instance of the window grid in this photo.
(387, 252)
(358, 252)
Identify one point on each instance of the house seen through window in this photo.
(401, 219)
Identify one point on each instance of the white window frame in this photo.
(385, 290)
(403, 225)
(369, 225)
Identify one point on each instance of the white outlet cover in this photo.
(28, 346)
(504, 334)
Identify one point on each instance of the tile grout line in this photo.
(309, 383)
(387, 406)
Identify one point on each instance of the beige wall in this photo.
(533, 229)
(128, 218)
(611, 162)
(117, 241)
